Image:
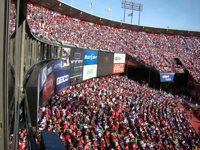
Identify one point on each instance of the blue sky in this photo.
(175, 14)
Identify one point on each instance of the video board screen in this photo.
(76, 65)
(66, 52)
(48, 88)
(105, 63)
(89, 71)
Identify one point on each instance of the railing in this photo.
(31, 137)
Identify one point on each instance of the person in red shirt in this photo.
(94, 144)
(133, 145)
(67, 137)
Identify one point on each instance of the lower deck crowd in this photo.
(117, 113)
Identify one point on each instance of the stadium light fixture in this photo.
(132, 6)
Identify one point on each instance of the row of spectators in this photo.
(117, 113)
(156, 50)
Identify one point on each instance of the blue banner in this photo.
(90, 57)
(62, 79)
(167, 77)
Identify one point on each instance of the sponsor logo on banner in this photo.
(62, 80)
(119, 58)
(89, 71)
(90, 57)
(118, 68)
(166, 77)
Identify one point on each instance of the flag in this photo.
(109, 9)
(131, 14)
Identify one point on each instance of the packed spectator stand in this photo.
(153, 49)
(117, 113)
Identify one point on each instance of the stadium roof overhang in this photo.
(63, 8)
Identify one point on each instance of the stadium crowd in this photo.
(114, 112)
(23, 139)
(153, 49)
(12, 18)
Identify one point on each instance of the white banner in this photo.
(89, 71)
(119, 58)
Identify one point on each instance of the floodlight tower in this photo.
(132, 6)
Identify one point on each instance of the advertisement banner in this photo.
(90, 57)
(48, 88)
(167, 77)
(118, 68)
(62, 79)
(89, 71)
(76, 65)
(119, 58)
(105, 63)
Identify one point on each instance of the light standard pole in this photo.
(124, 11)
(91, 5)
(124, 6)
(132, 17)
(139, 14)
